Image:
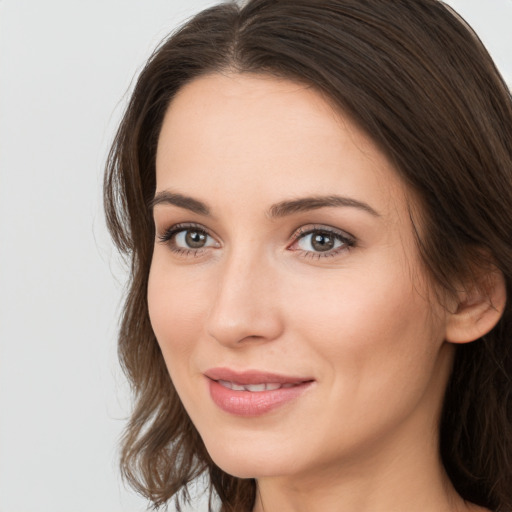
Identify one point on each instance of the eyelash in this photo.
(347, 241)
(168, 237)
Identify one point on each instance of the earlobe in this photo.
(478, 310)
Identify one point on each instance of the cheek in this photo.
(176, 316)
(372, 328)
(359, 307)
(176, 308)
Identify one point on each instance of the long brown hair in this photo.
(414, 77)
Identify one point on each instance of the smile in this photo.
(254, 388)
(253, 393)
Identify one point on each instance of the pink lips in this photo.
(253, 393)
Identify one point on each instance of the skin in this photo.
(361, 319)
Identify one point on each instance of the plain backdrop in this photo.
(65, 69)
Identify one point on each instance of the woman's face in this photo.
(286, 290)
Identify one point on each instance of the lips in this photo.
(254, 388)
(253, 393)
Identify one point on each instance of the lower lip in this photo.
(249, 403)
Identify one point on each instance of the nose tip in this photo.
(245, 307)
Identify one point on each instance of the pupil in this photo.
(195, 239)
(322, 242)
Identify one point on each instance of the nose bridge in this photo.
(245, 306)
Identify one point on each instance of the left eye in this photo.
(322, 241)
(187, 239)
(192, 239)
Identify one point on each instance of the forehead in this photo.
(237, 133)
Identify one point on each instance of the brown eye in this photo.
(195, 239)
(322, 241)
(188, 238)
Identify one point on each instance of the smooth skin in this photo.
(337, 293)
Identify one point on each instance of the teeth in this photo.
(231, 385)
(254, 388)
(272, 386)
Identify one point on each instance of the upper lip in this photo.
(253, 377)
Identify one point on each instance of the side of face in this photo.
(284, 246)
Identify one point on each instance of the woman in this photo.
(315, 198)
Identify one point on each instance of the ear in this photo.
(479, 308)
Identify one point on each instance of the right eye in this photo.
(188, 239)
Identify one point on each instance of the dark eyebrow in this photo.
(313, 203)
(166, 197)
(281, 209)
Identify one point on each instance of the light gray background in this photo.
(65, 67)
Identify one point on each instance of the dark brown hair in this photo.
(415, 78)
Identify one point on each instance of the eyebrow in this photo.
(281, 209)
(189, 203)
(285, 208)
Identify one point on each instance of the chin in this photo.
(250, 460)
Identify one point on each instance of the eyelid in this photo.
(168, 237)
(169, 232)
(310, 228)
(349, 240)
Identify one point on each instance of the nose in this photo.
(246, 307)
